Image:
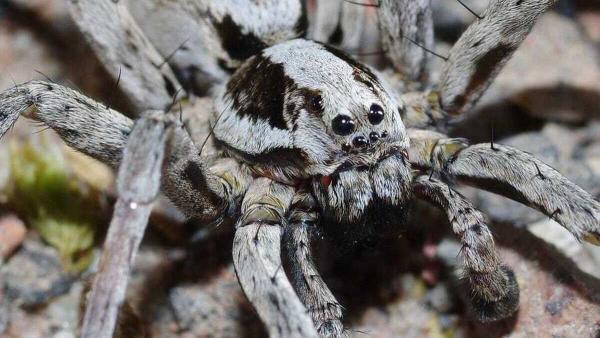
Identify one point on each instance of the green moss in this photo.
(46, 194)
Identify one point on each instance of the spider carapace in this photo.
(316, 116)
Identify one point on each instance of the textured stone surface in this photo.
(57, 320)
(200, 310)
(34, 275)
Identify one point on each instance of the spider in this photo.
(299, 136)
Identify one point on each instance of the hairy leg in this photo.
(138, 184)
(511, 173)
(338, 23)
(257, 260)
(423, 111)
(473, 63)
(495, 293)
(126, 52)
(199, 190)
(326, 19)
(324, 309)
(82, 123)
(483, 49)
(406, 34)
(183, 40)
(102, 133)
(206, 192)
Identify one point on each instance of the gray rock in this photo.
(34, 275)
(59, 319)
(216, 308)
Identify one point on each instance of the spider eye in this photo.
(342, 125)
(315, 104)
(360, 141)
(375, 114)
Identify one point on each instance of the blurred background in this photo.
(55, 203)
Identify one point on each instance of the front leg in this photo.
(257, 260)
(473, 63)
(407, 36)
(324, 309)
(126, 52)
(82, 123)
(483, 50)
(495, 292)
(511, 173)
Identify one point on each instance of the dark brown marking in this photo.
(238, 45)
(485, 68)
(70, 134)
(477, 229)
(477, 44)
(336, 36)
(195, 176)
(314, 101)
(555, 213)
(223, 65)
(539, 172)
(359, 78)
(169, 86)
(290, 107)
(258, 89)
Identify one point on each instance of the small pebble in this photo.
(12, 234)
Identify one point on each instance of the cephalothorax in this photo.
(321, 120)
(302, 136)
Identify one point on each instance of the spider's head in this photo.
(305, 111)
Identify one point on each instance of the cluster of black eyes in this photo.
(344, 125)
